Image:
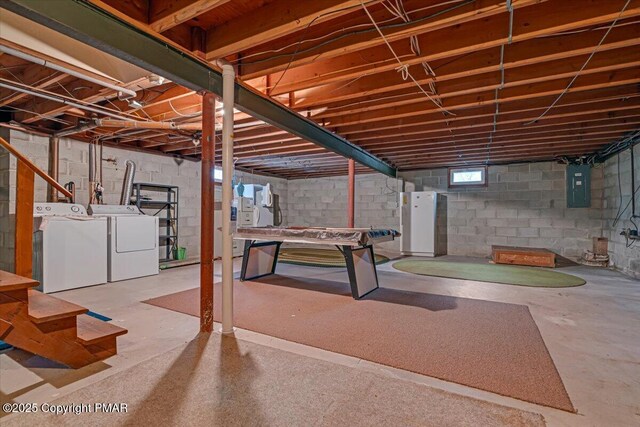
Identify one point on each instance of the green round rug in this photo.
(505, 274)
(313, 257)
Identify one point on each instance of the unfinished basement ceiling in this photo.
(474, 82)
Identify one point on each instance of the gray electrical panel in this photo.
(578, 186)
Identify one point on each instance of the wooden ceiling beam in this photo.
(484, 160)
(188, 148)
(318, 160)
(135, 9)
(477, 162)
(484, 140)
(512, 92)
(483, 154)
(166, 14)
(252, 143)
(465, 134)
(286, 150)
(265, 130)
(529, 52)
(351, 115)
(302, 172)
(557, 150)
(318, 163)
(453, 144)
(269, 22)
(33, 75)
(390, 83)
(449, 18)
(472, 124)
(551, 17)
(602, 100)
(560, 149)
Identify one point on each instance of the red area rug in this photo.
(482, 344)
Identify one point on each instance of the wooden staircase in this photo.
(36, 322)
(50, 327)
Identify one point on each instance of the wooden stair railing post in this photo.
(24, 208)
(24, 220)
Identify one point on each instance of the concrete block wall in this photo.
(323, 202)
(6, 226)
(74, 167)
(617, 202)
(523, 205)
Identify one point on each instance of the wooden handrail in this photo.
(35, 168)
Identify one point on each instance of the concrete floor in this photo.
(592, 333)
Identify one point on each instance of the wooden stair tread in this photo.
(13, 282)
(44, 308)
(92, 330)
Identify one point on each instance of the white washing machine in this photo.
(69, 247)
(132, 241)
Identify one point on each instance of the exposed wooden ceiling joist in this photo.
(164, 15)
(275, 20)
(343, 76)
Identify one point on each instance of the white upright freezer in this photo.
(423, 232)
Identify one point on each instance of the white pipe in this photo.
(74, 130)
(53, 66)
(58, 98)
(228, 83)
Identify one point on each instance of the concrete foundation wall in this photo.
(6, 225)
(523, 205)
(617, 202)
(323, 203)
(74, 167)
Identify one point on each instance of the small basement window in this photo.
(217, 174)
(468, 177)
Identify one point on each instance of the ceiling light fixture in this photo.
(134, 104)
(155, 79)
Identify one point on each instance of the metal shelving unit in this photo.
(162, 201)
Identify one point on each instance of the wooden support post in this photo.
(206, 214)
(24, 220)
(351, 194)
(54, 158)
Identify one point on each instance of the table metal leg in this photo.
(259, 259)
(361, 267)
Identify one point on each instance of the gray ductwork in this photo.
(127, 183)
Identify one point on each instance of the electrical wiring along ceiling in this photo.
(419, 84)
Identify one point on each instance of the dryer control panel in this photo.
(58, 209)
(114, 210)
